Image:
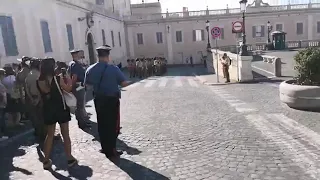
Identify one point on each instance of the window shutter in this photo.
(103, 37)
(202, 35)
(262, 31)
(177, 39)
(120, 43)
(160, 37)
(253, 31)
(46, 36)
(8, 35)
(222, 33)
(112, 39)
(299, 28)
(70, 36)
(194, 35)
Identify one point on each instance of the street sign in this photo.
(215, 32)
(237, 27)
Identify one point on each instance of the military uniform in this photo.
(225, 61)
(105, 80)
(75, 68)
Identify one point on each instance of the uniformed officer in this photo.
(105, 79)
(77, 73)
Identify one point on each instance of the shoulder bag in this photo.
(67, 98)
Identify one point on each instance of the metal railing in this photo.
(220, 12)
(263, 46)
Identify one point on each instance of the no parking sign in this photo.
(215, 32)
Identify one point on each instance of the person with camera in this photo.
(77, 73)
(225, 61)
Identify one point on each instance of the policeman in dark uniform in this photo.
(77, 73)
(105, 79)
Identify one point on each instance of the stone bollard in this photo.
(277, 67)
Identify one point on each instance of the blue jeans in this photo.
(2, 121)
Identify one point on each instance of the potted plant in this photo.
(303, 92)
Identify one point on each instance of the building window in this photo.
(46, 36)
(70, 36)
(112, 39)
(140, 38)
(178, 36)
(100, 2)
(8, 36)
(239, 35)
(198, 35)
(222, 33)
(104, 42)
(299, 28)
(318, 27)
(159, 37)
(119, 35)
(279, 27)
(258, 31)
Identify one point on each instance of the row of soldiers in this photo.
(146, 67)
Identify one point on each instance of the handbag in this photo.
(67, 98)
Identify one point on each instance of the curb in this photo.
(202, 80)
(205, 82)
(15, 138)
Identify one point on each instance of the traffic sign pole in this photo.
(216, 32)
(217, 60)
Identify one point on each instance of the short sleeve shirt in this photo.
(77, 69)
(105, 79)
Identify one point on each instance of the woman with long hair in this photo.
(55, 109)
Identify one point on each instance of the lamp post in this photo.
(269, 31)
(207, 28)
(244, 49)
(269, 44)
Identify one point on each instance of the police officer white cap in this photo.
(104, 47)
(74, 51)
(104, 51)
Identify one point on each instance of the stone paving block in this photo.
(167, 134)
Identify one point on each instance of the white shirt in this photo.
(9, 83)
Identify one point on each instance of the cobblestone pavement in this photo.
(184, 130)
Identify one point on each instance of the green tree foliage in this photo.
(308, 66)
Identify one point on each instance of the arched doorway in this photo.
(92, 56)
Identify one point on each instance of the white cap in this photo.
(104, 47)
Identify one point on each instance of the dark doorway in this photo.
(92, 56)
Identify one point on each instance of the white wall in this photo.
(27, 15)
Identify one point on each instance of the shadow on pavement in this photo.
(138, 172)
(60, 161)
(8, 153)
(134, 170)
(121, 145)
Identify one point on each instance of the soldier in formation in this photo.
(146, 67)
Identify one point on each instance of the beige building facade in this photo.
(40, 28)
(177, 36)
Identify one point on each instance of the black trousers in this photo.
(107, 109)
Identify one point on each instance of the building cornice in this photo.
(222, 14)
(90, 7)
(146, 5)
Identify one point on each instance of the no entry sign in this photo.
(237, 27)
(215, 32)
